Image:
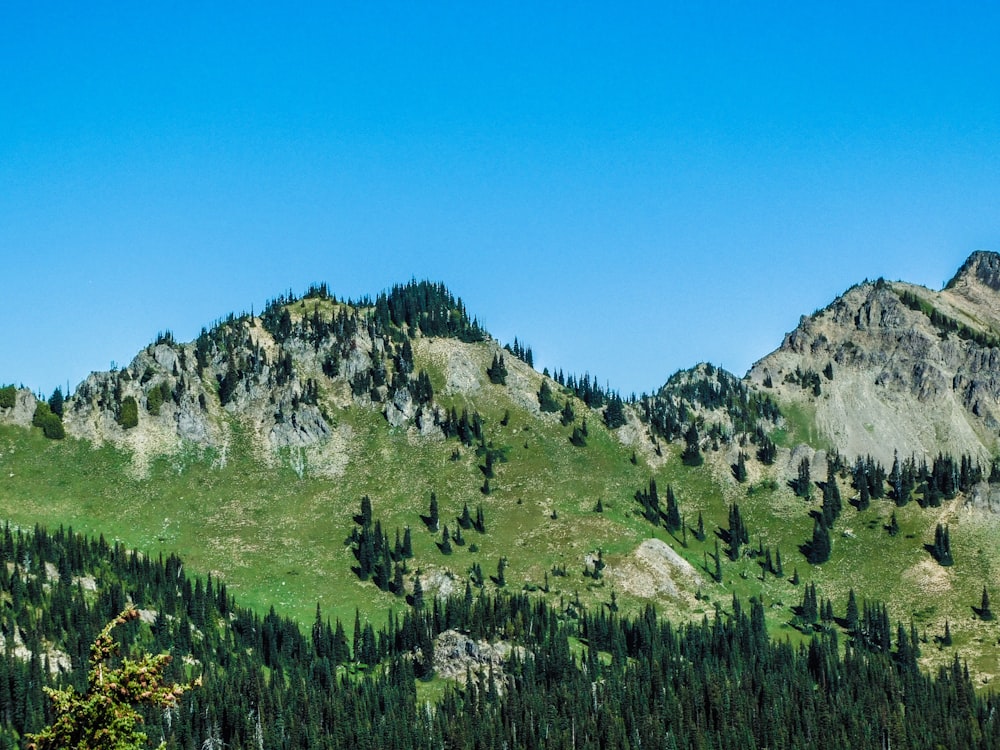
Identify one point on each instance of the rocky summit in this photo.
(892, 366)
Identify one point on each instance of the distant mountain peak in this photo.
(982, 267)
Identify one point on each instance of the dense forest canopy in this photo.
(574, 679)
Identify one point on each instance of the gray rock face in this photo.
(23, 410)
(401, 409)
(901, 379)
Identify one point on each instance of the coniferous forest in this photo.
(572, 679)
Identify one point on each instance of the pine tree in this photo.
(700, 533)
(407, 547)
(497, 371)
(418, 594)
(546, 400)
(432, 513)
(56, 402)
(768, 451)
(985, 613)
(614, 413)
(567, 416)
(445, 544)
(673, 516)
(851, 619)
(803, 484)
(740, 469)
(819, 547)
(941, 549)
(893, 525)
(691, 455)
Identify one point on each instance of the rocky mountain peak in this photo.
(982, 267)
(893, 366)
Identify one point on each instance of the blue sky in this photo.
(628, 190)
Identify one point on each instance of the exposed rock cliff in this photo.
(895, 366)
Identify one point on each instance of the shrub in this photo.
(128, 415)
(154, 400)
(8, 395)
(50, 424)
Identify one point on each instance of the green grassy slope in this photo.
(277, 536)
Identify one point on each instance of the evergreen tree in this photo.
(740, 468)
(497, 371)
(432, 513)
(614, 413)
(941, 549)
(56, 402)
(893, 525)
(672, 520)
(803, 484)
(691, 455)
(546, 400)
(699, 534)
(407, 547)
(501, 579)
(445, 544)
(418, 593)
(768, 451)
(567, 416)
(106, 715)
(985, 613)
(819, 547)
(851, 619)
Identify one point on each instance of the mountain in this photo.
(368, 453)
(892, 366)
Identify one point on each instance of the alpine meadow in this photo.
(369, 523)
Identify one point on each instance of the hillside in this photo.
(250, 452)
(891, 366)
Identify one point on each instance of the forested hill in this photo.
(570, 679)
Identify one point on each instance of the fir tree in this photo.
(497, 371)
(546, 400)
(803, 484)
(501, 579)
(740, 469)
(614, 413)
(851, 619)
(432, 513)
(691, 455)
(819, 547)
(985, 613)
(893, 525)
(672, 520)
(445, 545)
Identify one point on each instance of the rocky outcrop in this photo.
(893, 366)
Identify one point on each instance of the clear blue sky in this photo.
(628, 190)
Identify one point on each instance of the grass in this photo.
(278, 539)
